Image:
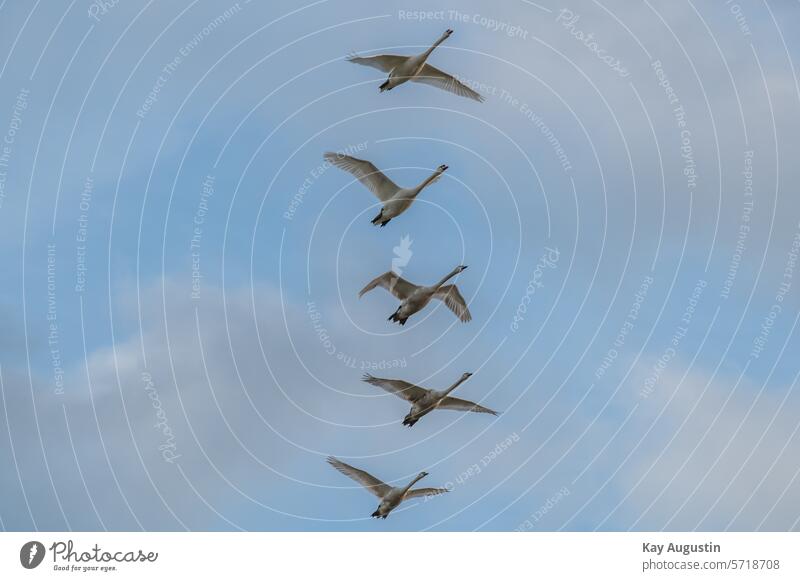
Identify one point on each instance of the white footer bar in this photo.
(389, 556)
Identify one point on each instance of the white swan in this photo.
(413, 298)
(390, 496)
(424, 401)
(396, 200)
(414, 68)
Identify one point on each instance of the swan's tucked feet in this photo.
(379, 220)
(376, 514)
(384, 87)
(410, 421)
(393, 317)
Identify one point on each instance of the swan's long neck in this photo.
(446, 278)
(428, 181)
(455, 385)
(413, 482)
(441, 39)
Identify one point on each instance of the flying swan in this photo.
(424, 401)
(413, 298)
(396, 200)
(390, 496)
(414, 68)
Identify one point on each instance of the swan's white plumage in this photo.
(423, 400)
(402, 389)
(390, 496)
(415, 68)
(430, 75)
(369, 175)
(455, 302)
(395, 284)
(365, 479)
(417, 492)
(463, 405)
(382, 62)
(396, 200)
(414, 298)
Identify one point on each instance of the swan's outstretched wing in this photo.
(454, 301)
(430, 75)
(417, 492)
(365, 479)
(462, 405)
(383, 62)
(369, 175)
(398, 387)
(398, 286)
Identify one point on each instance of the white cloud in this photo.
(722, 456)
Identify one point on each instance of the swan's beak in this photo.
(463, 267)
(467, 374)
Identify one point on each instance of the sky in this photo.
(183, 342)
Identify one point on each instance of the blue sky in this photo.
(666, 192)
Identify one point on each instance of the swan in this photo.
(414, 68)
(396, 200)
(413, 298)
(391, 496)
(424, 401)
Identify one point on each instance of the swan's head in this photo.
(466, 376)
(422, 475)
(461, 268)
(448, 32)
(442, 168)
